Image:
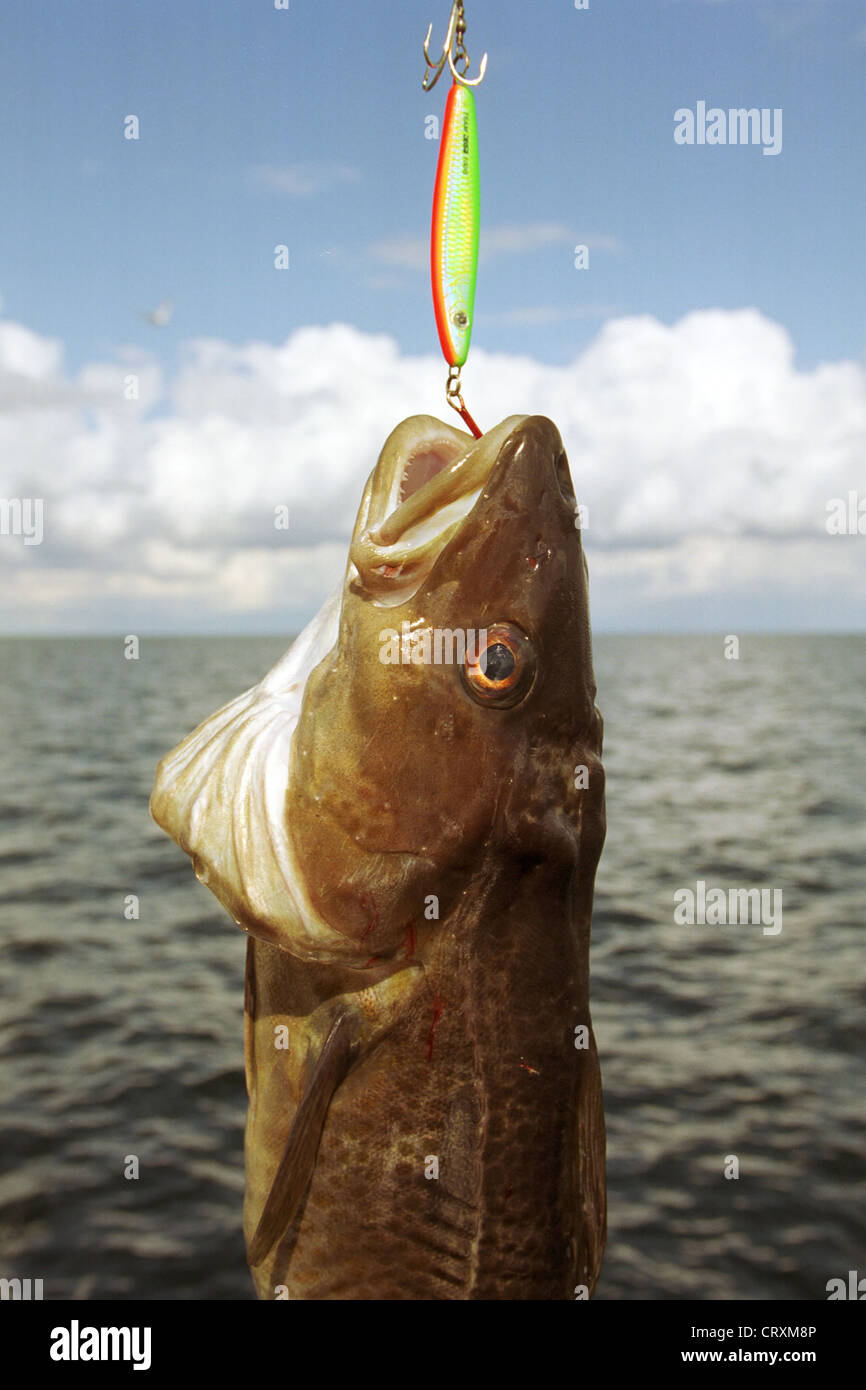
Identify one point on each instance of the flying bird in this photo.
(160, 317)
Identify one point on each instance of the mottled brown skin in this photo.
(402, 786)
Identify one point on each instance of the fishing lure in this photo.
(456, 207)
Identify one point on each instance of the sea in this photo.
(732, 1052)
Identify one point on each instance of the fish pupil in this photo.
(498, 662)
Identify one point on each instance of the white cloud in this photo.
(303, 180)
(705, 456)
(26, 354)
(509, 239)
(513, 238)
(402, 253)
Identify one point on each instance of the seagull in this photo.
(161, 315)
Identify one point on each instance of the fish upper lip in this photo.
(467, 465)
(398, 540)
(463, 474)
(466, 469)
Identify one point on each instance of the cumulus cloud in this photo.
(706, 459)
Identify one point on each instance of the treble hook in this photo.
(456, 25)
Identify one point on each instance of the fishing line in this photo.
(456, 219)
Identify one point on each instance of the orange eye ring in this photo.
(502, 670)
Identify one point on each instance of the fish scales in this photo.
(370, 1209)
(491, 1223)
(412, 851)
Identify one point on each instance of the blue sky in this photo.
(576, 118)
(306, 127)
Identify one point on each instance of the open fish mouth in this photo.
(428, 479)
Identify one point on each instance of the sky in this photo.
(707, 370)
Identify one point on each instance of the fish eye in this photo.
(500, 671)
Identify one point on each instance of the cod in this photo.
(411, 847)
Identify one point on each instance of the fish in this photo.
(405, 816)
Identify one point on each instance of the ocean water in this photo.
(125, 1037)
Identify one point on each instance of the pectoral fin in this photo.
(295, 1168)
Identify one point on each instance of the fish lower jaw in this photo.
(392, 574)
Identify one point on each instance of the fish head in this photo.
(348, 800)
(448, 724)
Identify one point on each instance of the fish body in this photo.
(456, 226)
(408, 844)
